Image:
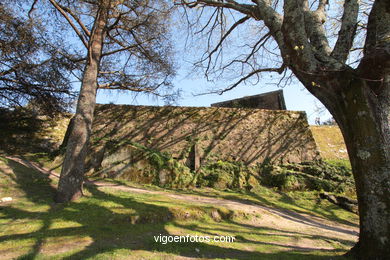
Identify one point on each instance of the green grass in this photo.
(112, 224)
(340, 162)
(307, 202)
(330, 142)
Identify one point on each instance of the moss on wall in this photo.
(248, 136)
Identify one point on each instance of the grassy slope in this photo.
(330, 142)
(101, 225)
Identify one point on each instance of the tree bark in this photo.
(359, 100)
(364, 118)
(361, 107)
(66, 136)
(72, 173)
(366, 129)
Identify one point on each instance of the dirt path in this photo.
(285, 221)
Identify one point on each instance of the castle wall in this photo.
(196, 135)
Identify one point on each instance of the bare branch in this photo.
(141, 47)
(112, 72)
(321, 5)
(253, 73)
(64, 14)
(347, 31)
(242, 20)
(25, 66)
(32, 8)
(126, 46)
(259, 44)
(254, 49)
(314, 21)
(117, 20)
(242, 8)
(122, 49)
(127, 86)
(272, 19)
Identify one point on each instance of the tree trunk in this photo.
(366, 129)
(359, 100)
(66, 136)
(364, 118)
(72, 173)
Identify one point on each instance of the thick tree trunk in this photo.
(366, 132)
(364, 117)
(72, 173)
(366, 129)
(359, 100)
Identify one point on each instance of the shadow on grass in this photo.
(299, 217)
(113, 223)
(295, 215)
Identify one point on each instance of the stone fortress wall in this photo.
(197, 135)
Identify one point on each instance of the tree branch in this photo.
(124, 86)
(347, 31)
(79, 34)
(278, 70)
(117, 20)
(272, 19)
(242, 20)
(77, 19)
(23, 66)
(242, 8)
(32, 8)
(122, 49)
(296, 38)
(314, 21)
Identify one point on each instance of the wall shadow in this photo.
(249, 136)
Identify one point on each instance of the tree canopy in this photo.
(136, 52)
(31, 71)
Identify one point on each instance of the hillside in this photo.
(330, 142)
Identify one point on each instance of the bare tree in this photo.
(121, 45)
(298, 36)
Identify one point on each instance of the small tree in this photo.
(298, 35)
(123, 45)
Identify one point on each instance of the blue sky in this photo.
(296, 97)
(190, 83)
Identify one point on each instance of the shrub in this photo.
(318, 175)
(224, 174)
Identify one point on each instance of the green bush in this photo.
(318, 175)
(224, 174)
(152, 165)
(161, 169)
